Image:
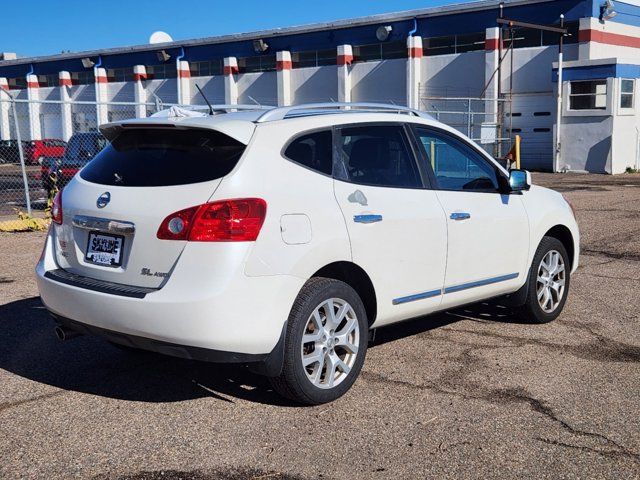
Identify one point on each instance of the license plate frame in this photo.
(118, 250)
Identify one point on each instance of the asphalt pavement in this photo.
(471, 393)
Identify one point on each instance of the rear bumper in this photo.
(234, 318)
(269, 364)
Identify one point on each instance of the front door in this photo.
(488, 230)
(396, 225)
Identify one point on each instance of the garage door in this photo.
(533, 116)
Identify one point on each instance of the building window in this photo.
(453, 44)
(264, 63)
(82, 78)
(167, 70)
(588, 95)
(314, 58)
(50, 80)
(470, 42)
(18, 83)
(120, 74)
(206, 69)
(626, 93)
(379, 51)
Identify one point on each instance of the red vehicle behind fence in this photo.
(36, 150)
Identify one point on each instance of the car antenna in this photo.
(205, 99)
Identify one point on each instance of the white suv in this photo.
(280, 237)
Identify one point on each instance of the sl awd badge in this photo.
(103, 200)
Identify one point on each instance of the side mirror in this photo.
(519, 180)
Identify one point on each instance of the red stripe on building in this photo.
(102, 79)
(608, 38)
(4, 87)
(492, 44)
(184, 73)
(415, 52)
(230, 70)
(33, 85)
(65, 82)
(345, 59)
(284, 65)
(139, 76)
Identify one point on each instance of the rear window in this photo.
(162, 157)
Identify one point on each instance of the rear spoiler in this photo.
(240, 130)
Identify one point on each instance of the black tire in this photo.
(532, 311)
(294, 383)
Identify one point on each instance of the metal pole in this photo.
(558, 153)
(27, 197)
(469, 118)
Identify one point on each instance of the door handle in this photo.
(457, 216)
(367, 218)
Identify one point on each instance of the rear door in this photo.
(113, 208)
(395, 223)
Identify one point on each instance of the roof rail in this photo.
(223, 107)
(309, 109)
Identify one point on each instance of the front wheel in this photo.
(549, 279)
(325, 344)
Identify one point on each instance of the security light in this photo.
(606, 11)
(163, 56)
(383, 32)
(260, 46)
(87, 62)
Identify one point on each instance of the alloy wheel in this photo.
(330, 343)
(551, 280)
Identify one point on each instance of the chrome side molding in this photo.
(417, 296)
(480, 283)
(453, 289)
(103, 224)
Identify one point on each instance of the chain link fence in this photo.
(43, 144)
(481, 119)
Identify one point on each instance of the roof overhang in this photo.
(465, 7)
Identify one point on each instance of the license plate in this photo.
(104, 249)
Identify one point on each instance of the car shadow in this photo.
(29, 348)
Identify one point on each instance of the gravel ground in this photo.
(467, 394)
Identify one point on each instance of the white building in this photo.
(429, 56)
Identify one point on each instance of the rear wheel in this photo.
(549, 279)
(325, 345)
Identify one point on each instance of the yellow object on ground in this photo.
(24, 223)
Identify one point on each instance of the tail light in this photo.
(56, 208)
(238, 220)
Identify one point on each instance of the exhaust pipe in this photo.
(65, 333)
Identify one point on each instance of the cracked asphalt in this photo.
(471, 393)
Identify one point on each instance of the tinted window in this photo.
(456, 165)
(312, 151)
(377, 155)
(158, 157)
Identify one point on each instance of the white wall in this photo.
(166, 89)
(262, 87)
(458, 75)
(314, 84)
(383, 81)
(213, 88)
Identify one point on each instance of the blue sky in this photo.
(41, 27)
